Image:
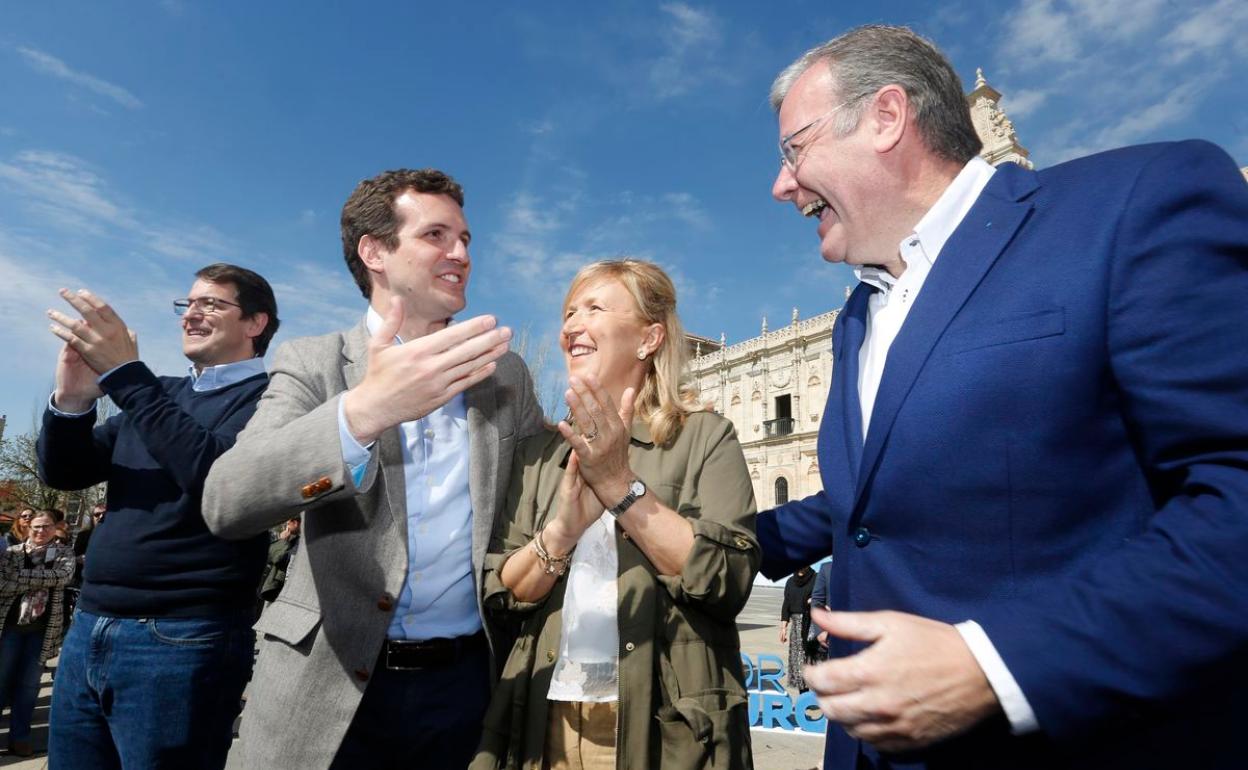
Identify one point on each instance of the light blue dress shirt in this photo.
(439, 594)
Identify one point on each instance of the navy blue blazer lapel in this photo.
(966, 257)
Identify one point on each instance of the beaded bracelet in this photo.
(551, 565)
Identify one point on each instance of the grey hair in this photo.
(865, 59)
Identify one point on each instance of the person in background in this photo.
(32, 576)
(280, 551)
(624, 554)
(795, 623)
(18, 533)
(819, 601)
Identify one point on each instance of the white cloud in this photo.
(1220, 26)
(66, 193)
(1119, 71)
(50, 65)
(691, 39)
(1024, 101)
(312, 299)
(684, 207)
(1176, 105)
(1041, 32)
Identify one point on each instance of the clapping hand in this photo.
(97, 342)
(406, 382)
(578, 509)
(601, 437)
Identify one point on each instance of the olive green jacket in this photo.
(683, 703)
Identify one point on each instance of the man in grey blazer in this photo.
(395, 440)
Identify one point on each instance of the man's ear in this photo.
(370, 249)
(255, 325)
(889, 114)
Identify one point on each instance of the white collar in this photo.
(938, 224)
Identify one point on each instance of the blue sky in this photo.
(141, 140)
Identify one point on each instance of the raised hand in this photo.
(100, 337)
(917, 682)
(578, 509)
(76, 387)
(601, 436)
(406, 382)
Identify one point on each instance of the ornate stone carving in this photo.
(994, 128)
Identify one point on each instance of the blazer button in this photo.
(361, 674)
(550, 656)
(385, 603)
(630, 647)
(862, 537)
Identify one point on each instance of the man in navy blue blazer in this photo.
(1034, 455)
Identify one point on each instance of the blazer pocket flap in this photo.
(1035, 325)
(291, 623)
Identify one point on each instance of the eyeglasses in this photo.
(40, 527)
(788, 153)
(205, 305)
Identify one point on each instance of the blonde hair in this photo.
(666, 396)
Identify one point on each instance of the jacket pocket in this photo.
(707, 729)
(1034, 325)
(288, 622)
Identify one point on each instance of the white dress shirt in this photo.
(438, 598)
(887, 309)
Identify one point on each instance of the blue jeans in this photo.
(148, 693)
(19, 679)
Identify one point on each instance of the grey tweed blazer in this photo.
(321, 638)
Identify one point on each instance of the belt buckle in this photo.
(393, 666)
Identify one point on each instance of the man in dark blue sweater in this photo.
(161, 646)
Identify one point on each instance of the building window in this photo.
(783, 424)
(782, 490)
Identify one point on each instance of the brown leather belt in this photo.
(402, 655)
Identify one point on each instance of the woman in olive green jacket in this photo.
(626, 553)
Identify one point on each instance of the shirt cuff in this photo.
(1013, 702)
(61, 413)
(354, 454)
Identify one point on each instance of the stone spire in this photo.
(795, 316)
(994, 128)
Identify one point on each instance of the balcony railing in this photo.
(778, 428)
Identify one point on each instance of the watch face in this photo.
(637, 488)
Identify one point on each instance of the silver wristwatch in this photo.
(636, 489)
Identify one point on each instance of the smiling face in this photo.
(222, 336)
(602, 334)
(834, 175)
(429, 267)
(42, 529)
